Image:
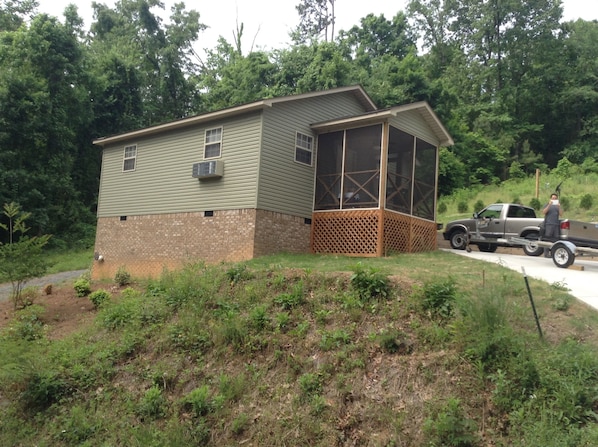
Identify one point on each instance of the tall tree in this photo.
(43, 103)
(316, 20)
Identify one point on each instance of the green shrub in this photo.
(99, 297)
(28, 325)
(122, 277)
(565, 203)
(442, 208)
(43, 390)
(462, 207)
(478, 206)
(369, 283)
(586, 202)
(535, 203)
(82, 287)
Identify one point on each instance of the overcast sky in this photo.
(267, 23)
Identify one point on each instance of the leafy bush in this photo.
(535, 203)
(28, 325)
(439, 297)
(565, 203)
(99, 297)
(82, 287)
(586, 202)
(122, 277)
(44, 389)
(369, 283)
(462, 207)
(478, 206)
(442, 208)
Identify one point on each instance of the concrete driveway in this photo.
(581, 284)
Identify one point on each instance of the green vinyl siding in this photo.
(413, 123)
(162, 181)
(285, 185)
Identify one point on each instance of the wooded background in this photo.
(516, 87)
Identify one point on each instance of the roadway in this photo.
(582, 284)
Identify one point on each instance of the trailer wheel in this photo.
(458, 239)
(562, 255)
(532, 248)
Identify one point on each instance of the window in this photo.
(213, 143)
(129, 158)
(303, 148)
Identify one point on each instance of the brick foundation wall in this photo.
(146, 245)
(276, 233)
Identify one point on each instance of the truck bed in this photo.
(584, 234)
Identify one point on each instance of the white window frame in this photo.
(304, 144)
(130, 155)
(212, 139)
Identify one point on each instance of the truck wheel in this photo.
(562, 255)
(458, 239)
(531, 248)
(487, 248)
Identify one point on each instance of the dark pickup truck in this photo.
(494, 226)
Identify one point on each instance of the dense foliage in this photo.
(515, 85)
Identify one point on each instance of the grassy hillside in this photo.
(575, 191)
(432, 349)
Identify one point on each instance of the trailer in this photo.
(563, 252)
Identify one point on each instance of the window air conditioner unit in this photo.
(208, 169)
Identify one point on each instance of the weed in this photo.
(438, 298)
(238, 273)
(240, 423)
(394, 341)
(449, 426)
(310, 384)
(153, 404)
(334, 339)
(369, 283)
(199, 401)
(291, 300)
(28, 325)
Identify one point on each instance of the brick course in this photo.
(146, 245)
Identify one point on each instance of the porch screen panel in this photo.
(424, 192)
(361, 179)
(399, 170)
(329, 171)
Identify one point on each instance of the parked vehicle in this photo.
(494, 226)
(576, 239)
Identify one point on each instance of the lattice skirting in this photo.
(370, 233)
(408, 234)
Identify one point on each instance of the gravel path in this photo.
(56, 278)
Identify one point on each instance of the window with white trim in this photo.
(304, 147)
(130, 157)
(213, 143)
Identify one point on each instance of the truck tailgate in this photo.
(580, 233)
